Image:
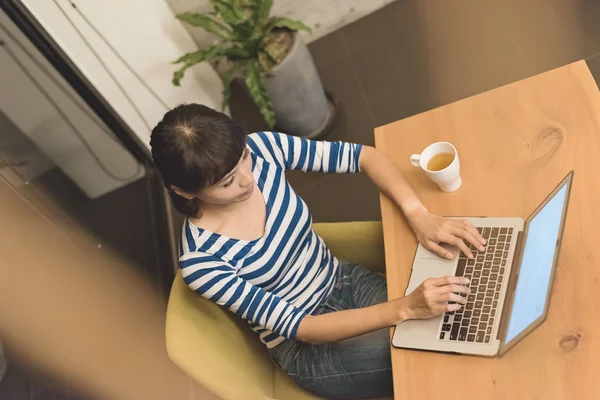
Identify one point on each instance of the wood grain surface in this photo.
(515, 144)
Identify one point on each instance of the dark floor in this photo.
(123, 220)
(20, 384)
(411, 56)
(415, 55)
(128, 221)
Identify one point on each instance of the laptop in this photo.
(511, 283)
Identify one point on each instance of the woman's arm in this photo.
(216, 280)
(390, 180)
(292, 152)
(428, 300)
(430, 229)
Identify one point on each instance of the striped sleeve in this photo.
(292, 152)
(216, 280)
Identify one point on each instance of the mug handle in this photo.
(415, 160)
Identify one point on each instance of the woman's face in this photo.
(235, 187)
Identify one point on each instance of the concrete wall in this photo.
(323, 16)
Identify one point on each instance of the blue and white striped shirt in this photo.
(274, 281)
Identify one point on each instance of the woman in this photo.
(248, 245)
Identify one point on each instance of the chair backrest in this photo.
(220, 351)
(359, 242)
(216, 347)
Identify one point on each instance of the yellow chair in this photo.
(220, 351)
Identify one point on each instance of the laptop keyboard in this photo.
(474, 322)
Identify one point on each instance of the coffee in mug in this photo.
(441, 164)
(440, 161)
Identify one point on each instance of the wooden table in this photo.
(515, 144)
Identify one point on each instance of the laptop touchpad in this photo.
(430, 268)
(422, 252)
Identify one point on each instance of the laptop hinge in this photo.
(510, 290)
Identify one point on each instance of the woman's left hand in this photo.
(431, 230)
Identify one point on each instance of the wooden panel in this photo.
(515, 143)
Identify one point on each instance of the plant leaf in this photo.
(240, 8)
(237, 52)
(228, 78)
(243, 31)
(259, 93)
(178, 76)
(205, 21)
(191, 59)
(262, 11)
(230, 10)
(201, 55)
(291, 24)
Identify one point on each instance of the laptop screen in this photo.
(533, 285)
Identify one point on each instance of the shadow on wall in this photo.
(80, 313)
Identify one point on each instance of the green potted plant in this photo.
(268, 54)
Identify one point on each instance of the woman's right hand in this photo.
(431, 298)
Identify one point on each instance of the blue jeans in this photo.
(354, 368)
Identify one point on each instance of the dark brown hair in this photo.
(194, 147)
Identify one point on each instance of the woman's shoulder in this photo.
(266, 137)
(267, 146)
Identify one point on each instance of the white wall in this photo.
(17, 151)
(29, 112)
(147, 37)
(323, 16)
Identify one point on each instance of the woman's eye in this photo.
(229, 183)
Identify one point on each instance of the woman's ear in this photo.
(182, 193)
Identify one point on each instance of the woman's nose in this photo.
(246, 178)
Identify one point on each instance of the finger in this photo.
(471, 228)
(478, 235)
(457, 242)
(449, 280)
(469, 237)
(451, 297)
(452, 307)
(439, 250)
(453, 288)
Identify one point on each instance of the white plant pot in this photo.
(300, 103)
(295, 88)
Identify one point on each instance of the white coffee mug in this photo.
(447, 179)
